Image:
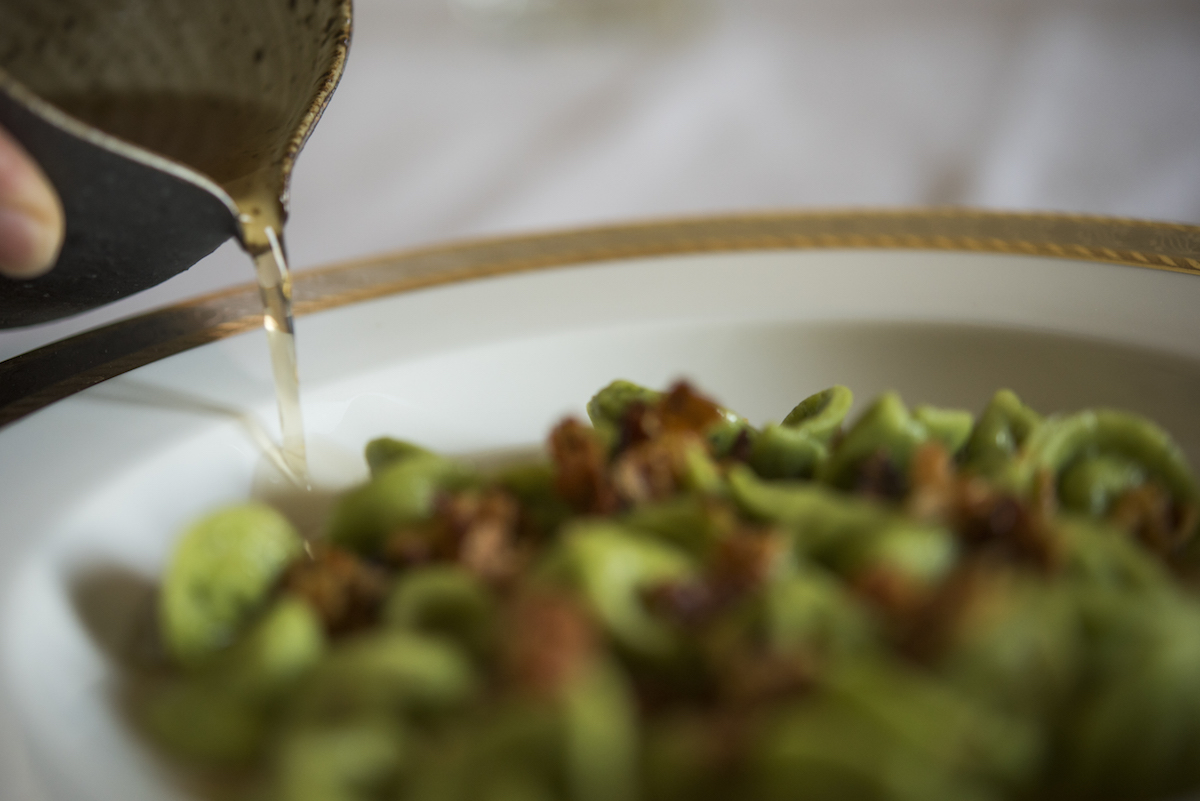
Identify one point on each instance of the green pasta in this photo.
(676, 605)
(222, 570)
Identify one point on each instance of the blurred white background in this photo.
(450, 124)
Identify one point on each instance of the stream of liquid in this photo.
(275, 287)
(240, 146)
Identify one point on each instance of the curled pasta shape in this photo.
(951, 427)
(780, 451)
(821, 415)
(1002, 429)
(798, 447)
(1096, 455)
(888, 427)
(220, 575)
(402, 493)
(612, 566)
(845, 534)
(445, 601)
(609, 404)
(383, 452)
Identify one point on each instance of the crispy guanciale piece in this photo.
(581, 469)
(474, 527)
(418, 544)
(345, 591)
(680, 408)
(740, 563)
(484, 525)
(878, 477)
(984, 517)
(685, 409)
(1150, 514)
(745, 559)
(659, 468)
(549, 641)
(650, 470)
(933, 483)
(640, 423)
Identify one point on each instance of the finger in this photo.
(31, 215)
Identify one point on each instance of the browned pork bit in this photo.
(1150, 514)
(581, 468)
(1003, 524)
(418, 544)
(486, 528)
(741, 562)
(477, 528)
(932, 484)
(685, 409)
(745, 559)
(651, 470)
(345, 591)
(984, 517)
(549, 640)
(896, 593)
(878, 477)
(926, 628)
(681, 408)
(640, 423)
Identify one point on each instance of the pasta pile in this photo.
(676, 605)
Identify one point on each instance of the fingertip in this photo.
(29, 245)
(31, 215)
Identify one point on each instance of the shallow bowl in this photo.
(117, 438)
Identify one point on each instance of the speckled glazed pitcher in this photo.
(151, 118)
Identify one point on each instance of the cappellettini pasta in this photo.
(676, 604)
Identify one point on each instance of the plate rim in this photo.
(34, 380)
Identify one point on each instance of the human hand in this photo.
(31, 215)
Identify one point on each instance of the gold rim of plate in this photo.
(36, 379)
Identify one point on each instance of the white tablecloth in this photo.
(443, 130)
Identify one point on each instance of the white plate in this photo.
(95, 487)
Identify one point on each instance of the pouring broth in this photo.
(244, 148)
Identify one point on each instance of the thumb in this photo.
(31, 215)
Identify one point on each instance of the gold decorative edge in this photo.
(34, 380)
